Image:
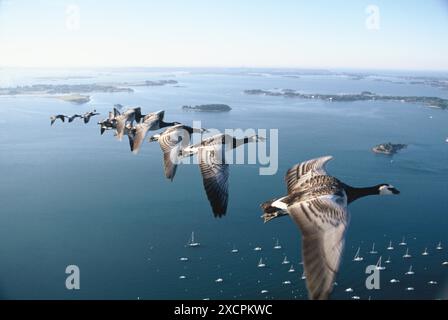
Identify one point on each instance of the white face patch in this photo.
(384, 190)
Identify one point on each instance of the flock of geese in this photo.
(86, 116)
(316, 201)
(175, 144)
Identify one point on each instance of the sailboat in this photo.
(379, 266)
(390, 247)
(403, 242)
(234, 250)
(407, 255)
(257, 249)
(261, 264)
(425, 253)
(303, 276)
(439, 246)
(357, 257)
(285, 261)
(388, 260)
(410, 272)
(192, 242)
(291, 270)
(277, 245)
(373, 249)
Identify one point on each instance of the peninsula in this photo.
(434, 102)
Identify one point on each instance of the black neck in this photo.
(239, 142)
(164, 124)
(356, 193)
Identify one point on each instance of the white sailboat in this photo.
(425, 253)
(277, 245)
(373, 249)
(390, 247)
(257, 249)
(410, 272)
(303, 277)
(388, 260)
(445, 263)
(439, 246)
(357, 257)
(407, 255)
(261, 264)
(403, 242)
(379, 266)
(192, 242)
(285, 261)
(291, 270)
(234, 250)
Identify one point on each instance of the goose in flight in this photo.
(73, 117)
(108, 124)
(213, 166)
(318, 204)
(88, 115)
(59, 116)
(171, 141)
(129, 116)
(150, 122)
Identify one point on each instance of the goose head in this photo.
(387, 189)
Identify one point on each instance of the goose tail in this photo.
(271, 211)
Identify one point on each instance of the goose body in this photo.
(122, 119)
(73, 117)
(318, 203)
(150, 122)
(108, 124)
(213, 166)
(59, 116)
(171, 141)
(89, 115)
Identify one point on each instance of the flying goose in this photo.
(151, 121)
(88, 115)
(129, 116)
(213, 166)
(59, 116)
(108, 124)
(171, 141)
(318, 204)
(73, 117)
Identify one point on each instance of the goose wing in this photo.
(215, 174)
(300, 173)
(170, 142)
(323, 222)
(142, 129)
(121, 124)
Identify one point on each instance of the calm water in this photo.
(70, 196)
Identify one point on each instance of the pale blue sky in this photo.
(412, 34)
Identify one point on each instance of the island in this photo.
(150, 83)
(388, 148)
(74, 98)
(434, 102)
(208, 108)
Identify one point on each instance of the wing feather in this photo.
(323, 223)
(298, 174)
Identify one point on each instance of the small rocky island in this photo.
(388, 148)
(208, 108)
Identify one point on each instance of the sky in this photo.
(327, 34)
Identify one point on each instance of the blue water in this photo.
(70, 196)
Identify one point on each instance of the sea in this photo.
(70, 196)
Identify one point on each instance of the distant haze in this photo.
(380, 34)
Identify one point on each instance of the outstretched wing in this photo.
(170, 143)
(301, 172)
(215, 174)
(323, 222)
